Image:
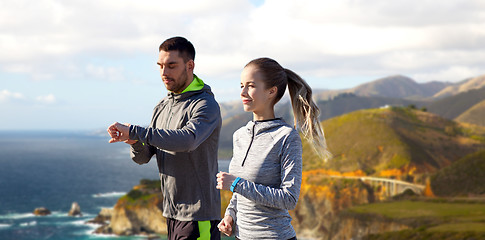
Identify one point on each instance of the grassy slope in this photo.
(436, 219)
(463, 211)
(452, 107)
(377, 139)
(147, 192)
(463, 177)
(474, 115)
(346, 103)
(355, 139)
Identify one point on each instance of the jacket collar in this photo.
(196, 86)
(257, 127)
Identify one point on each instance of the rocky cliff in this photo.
(318, 214)
(138, 212)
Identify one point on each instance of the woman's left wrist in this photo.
(234, 184)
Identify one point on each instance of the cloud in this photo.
(7, 96)
(106, 73)
(325, 39)
(47, 99)
(322, 38)
(454, 73)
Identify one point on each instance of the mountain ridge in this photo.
(474, 115)
(395, 86)
(463, 86)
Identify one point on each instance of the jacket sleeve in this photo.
(205, 119)
(286, 196)
(141, 153)
(231, 209)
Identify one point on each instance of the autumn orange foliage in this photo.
(428, 192)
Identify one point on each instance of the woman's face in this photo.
(255, 96)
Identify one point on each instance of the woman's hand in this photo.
(224, 180)
(225, 226)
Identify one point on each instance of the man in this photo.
(184, 135)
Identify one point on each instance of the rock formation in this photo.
(139, 219)
(75, 210)
(103, 218)
(138, 212)
(41, 211)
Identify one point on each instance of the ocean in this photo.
(53, 169)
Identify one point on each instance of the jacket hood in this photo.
(188, 94)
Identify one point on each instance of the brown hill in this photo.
(349, 102)
(463, 86)
(453, 106)
(396, 86)
(411, 141)
(474, 115)
(462, 178)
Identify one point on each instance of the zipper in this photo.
(167, 125)
(250, 143)
(170, 113)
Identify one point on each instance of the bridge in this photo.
(392, 187)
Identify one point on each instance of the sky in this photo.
(82, 65)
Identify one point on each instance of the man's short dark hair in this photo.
(180, 44)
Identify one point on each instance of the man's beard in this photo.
(180, 83)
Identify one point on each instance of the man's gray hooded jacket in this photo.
(184, 135)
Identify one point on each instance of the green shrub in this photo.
(134, 194)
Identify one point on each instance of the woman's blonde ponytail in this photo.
(306, 113)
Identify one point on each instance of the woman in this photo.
(265, 171)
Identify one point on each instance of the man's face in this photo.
(175, 73)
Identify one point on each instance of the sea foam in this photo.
(17, 216)
(5, 225)
(109, 195)
(27, 224)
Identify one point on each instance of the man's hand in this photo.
(120, 133)
(225, 226)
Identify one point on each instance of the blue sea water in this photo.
(55, 169)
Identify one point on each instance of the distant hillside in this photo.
(453, 106)
(397, 86)
(374, 140)
(349, 102)
(461, 178)
(463, 86)
(229, 109)
(474, 115)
